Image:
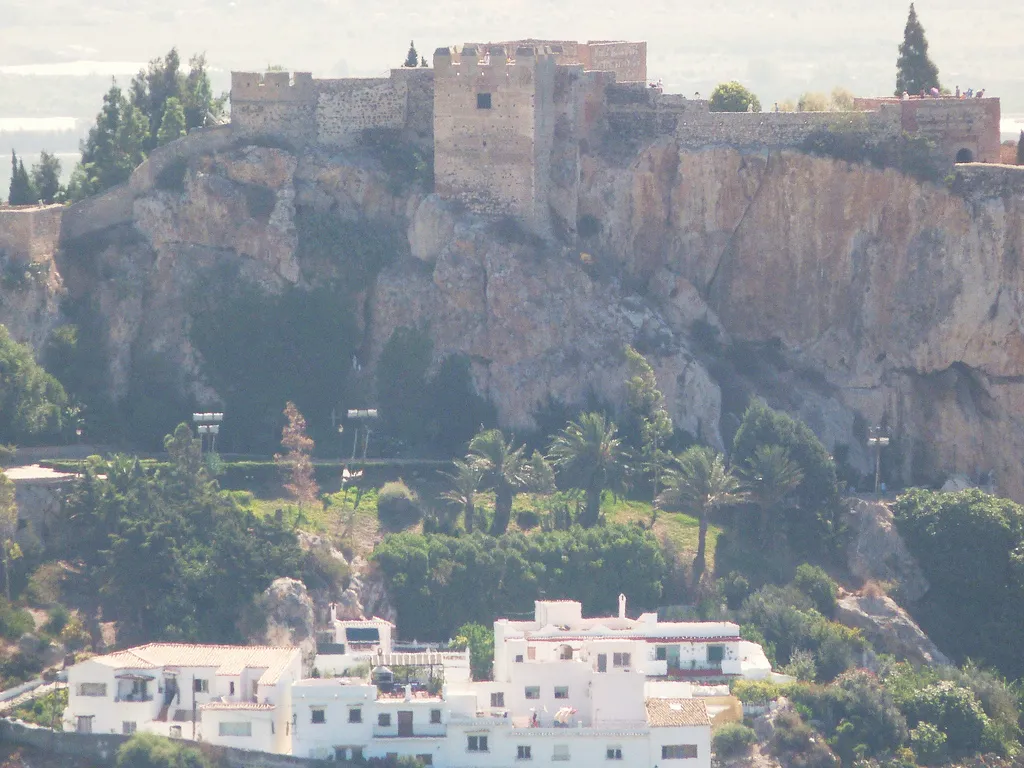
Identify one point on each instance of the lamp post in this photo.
(208, 424)
(357, 415)
(877, 440)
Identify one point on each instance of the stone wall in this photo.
(955, 125)
(982, 181)
(488, 107)
(776, 129)
(273, 104)
(346, 107)
(29, 233)
(103, 748)
(627, 60)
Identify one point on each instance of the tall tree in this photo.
(466, 479)
(46, 177)
(1020, 149)
(700, 484)
(172, 124)
(113, 148)
(412, 58)
(915, 71)
(8, 527)
(592, 458)
(297, 462)
(769, 477)
(506, 471)
(648, 422)
(32, 402)
(21, 192)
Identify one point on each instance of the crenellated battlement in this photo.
(272, 86)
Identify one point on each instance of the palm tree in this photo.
(698, 485)
(466, 480)
(505, 469)
(769, 476)
(591, 456)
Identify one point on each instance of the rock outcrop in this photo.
(290, 618)
(848, 295)
(889, 628)
(877, 552)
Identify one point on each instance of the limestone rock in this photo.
(431, 229)
(290, 617)
(877, 551)
(889, 628)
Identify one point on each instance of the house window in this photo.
(678, 751)
(533, 691)
(561, 692)
(318, 716)
(435, 715)
(234, 729)
(200, 685)
(614, 753)
(476, 744)
(231, 688)
(92, 689)
(621, 659)
(84, 724)
(384, 720)
(519, 658)
(661, 653)
(128, 727)
(524, 753)
(355, 715)
(561, 752)
(425, 759)
(715, 654)
(498, 699)
(483, 101)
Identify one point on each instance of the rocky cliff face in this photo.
(845, 294)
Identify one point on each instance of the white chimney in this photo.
(622, 606)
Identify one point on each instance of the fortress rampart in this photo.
(301, 110)
(29, 232)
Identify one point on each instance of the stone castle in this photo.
(508, 122)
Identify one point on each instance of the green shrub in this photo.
(929, 744)
(527, 519)
(8, 455)
(147, 750)
(952, 709)
(57, 619)
(397, 506)
(733, 739)
(45, 710)
(799, 745)
(818, 586)
(756, 692)
(735, 589)
(44, 584)
(14, 622)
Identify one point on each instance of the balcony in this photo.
(419, 731)
(133, 698)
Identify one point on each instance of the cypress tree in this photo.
(914, 70)
(21, 192)
(1020, 149)
(411, 58)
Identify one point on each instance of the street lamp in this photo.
(357, 415)
(877, 440)
(208, 424)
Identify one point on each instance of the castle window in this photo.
(483, 101)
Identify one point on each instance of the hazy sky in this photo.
(780, 49)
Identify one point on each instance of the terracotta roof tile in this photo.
(226, 659)
(668, 713)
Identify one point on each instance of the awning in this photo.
(133, 676)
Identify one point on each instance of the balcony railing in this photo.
(423, 731)
(133, 698)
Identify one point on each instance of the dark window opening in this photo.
(965, 156)
(483, 101)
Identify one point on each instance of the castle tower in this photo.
(493, 129)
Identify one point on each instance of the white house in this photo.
(350, 644)
(238, 696)
(583, 720)
(676, 649)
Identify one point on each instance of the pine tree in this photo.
(423, 61)
(46, 177)
(172, 124)
(915, 72)
(411, 58)
(297, 464)
(1020, 149)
